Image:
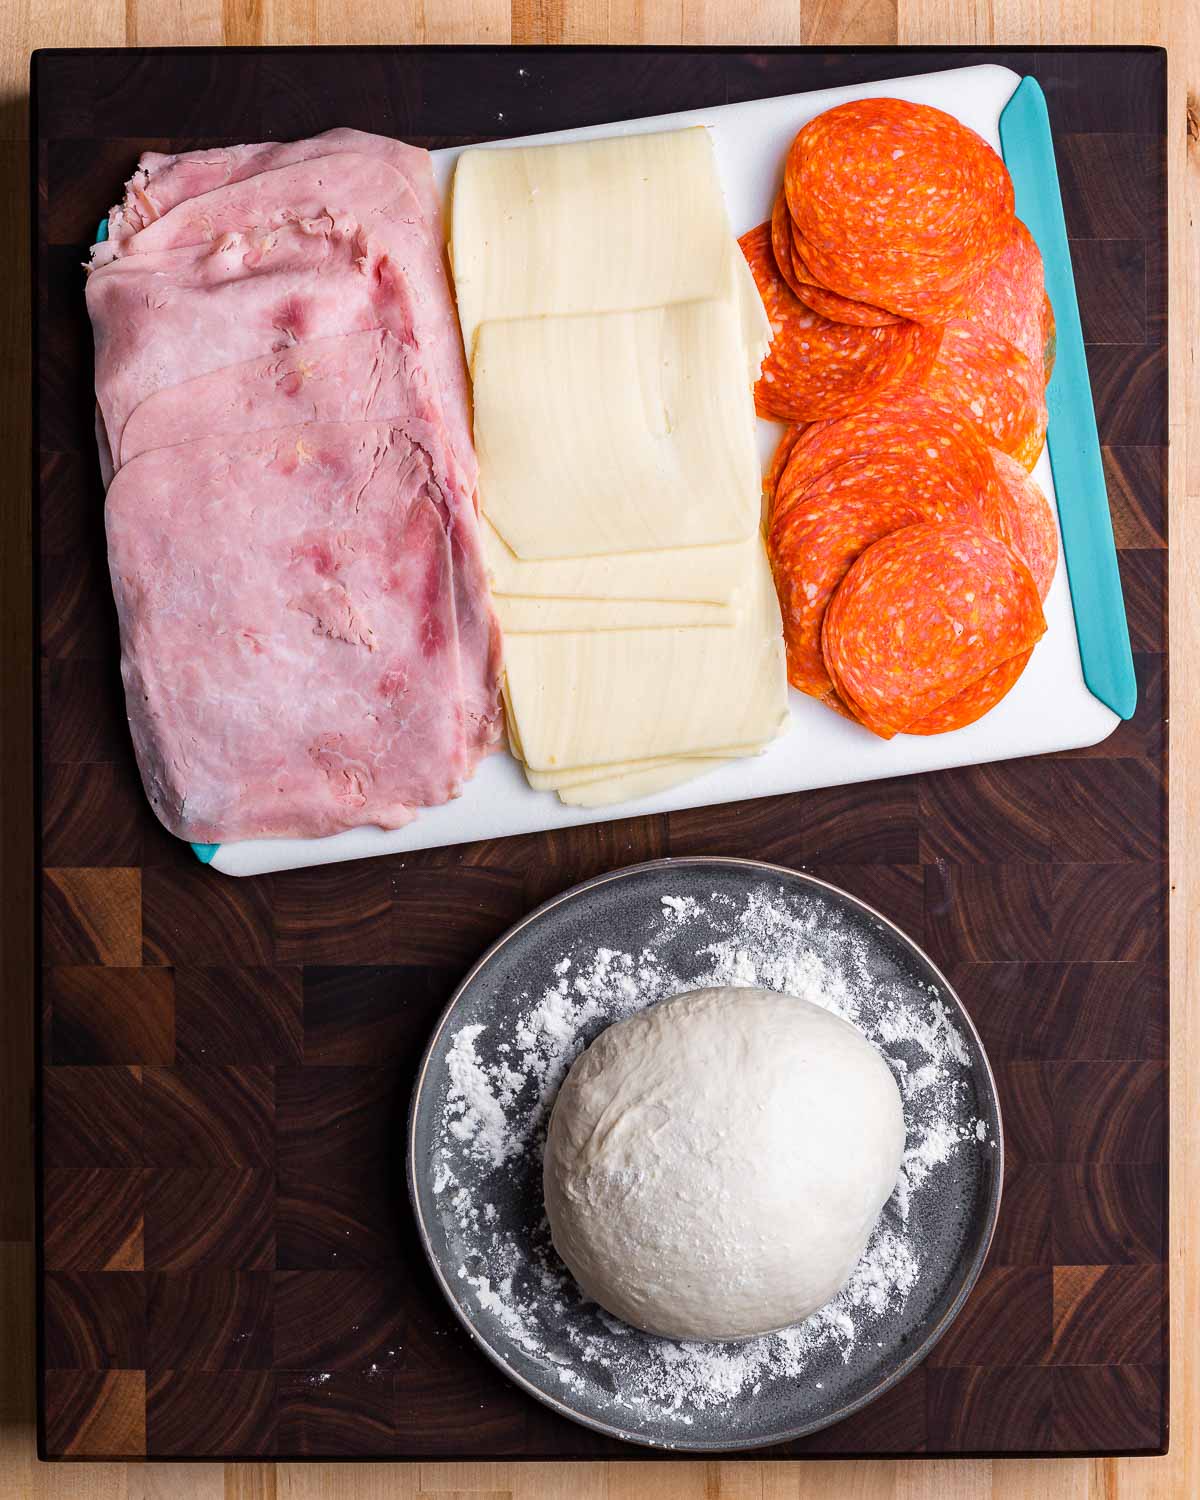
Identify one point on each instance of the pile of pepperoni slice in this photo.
(912, 341)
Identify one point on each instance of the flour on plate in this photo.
(496, 1111)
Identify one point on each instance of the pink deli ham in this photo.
(354, 378)
(308, 641)
(159, 319)
(362, 376)
(161, 181)
(344, 188)
(288, 631)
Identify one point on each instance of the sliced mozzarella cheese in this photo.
(520, 616)
(591, 226)
(703, 575)
(616, 432)
(554, 781)
(756, 326)
(601, 696)
(637, 783)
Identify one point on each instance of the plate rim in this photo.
(610, 1429)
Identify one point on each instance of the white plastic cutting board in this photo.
(1049, 709)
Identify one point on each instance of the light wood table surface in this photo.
(25, 24)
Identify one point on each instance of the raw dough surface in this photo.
(715, 1165)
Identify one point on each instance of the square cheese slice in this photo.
(557, 781)
(522, 616)
(627, 222)
(601, 696)
(647, 783)
(701, 575)
(617, 432)
(756, 326)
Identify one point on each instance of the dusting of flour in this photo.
(497, 1101)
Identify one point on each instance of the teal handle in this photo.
(1088, 546)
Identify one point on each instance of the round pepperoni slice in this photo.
(1011, 298)
(1049, 339)
(833, 305)
(902, 173)
(813, 550)
(922, 615)
(896, 204)
(996, 386)
(974, 701)
(781, 244)
(913, 288)
(792, 268)
(935, 446)
(938, 491)
(816, 368)
(779, 461)
(1025, 521)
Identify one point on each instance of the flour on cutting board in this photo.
(499, 1095)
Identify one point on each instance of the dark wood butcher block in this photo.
(225, 1064)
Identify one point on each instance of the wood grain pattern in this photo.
(209, 1320)
(224, 1013)
(95, 1016)
(1124, 1026)
(195, 1413)
(94, 1219)
(209, 1216)
(95, 1320)
(91, 1414)
(92, 1117)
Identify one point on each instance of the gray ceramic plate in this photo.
(614, 945)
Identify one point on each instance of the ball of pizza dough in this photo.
(715, 1165)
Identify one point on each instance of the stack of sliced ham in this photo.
(307, 638)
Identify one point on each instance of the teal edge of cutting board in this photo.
(1091, 554)
(1088, 547)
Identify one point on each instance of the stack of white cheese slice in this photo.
(614, 335)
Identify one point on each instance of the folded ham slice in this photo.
(159, 319)
(353, 378)
(308, 642)
(288, 630)
(162, 181)
(343, 188)
(362, 376)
